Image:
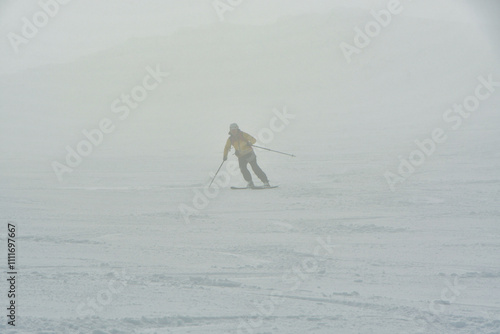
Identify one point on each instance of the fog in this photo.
(86, 27)
(113, 119)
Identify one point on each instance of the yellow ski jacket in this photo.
(240, 143)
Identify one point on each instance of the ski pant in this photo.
(251, 159)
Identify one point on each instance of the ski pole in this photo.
(216, 173)
(291, 155)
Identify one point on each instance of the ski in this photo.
(254, 188)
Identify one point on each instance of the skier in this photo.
(242, 143)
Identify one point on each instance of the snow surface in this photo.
(332, 250)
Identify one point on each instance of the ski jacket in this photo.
(240, 143)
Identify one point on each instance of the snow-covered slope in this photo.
(128, 243)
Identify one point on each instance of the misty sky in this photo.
(82, 27)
